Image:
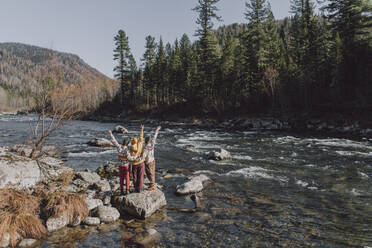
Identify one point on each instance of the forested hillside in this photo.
(22, 67)
(307, 62)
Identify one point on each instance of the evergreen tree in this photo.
(148, 61)
(207, 44)
(123, 55)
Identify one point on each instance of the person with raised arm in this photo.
(123, 162)
(137, 161)
(149, 157)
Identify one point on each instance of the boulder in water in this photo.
(107, 214)
(219, 156)
(194, 185)
(140, 205)
(100, 142)
(120, 129)
(92, 221)
(27, 243)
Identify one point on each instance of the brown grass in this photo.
(20, 225)
(61, 202)
(66, 177)
(17, 201)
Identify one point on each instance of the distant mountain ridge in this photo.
(22, 66)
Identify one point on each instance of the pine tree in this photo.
(207, 44)
(148, 61)
(122, 54)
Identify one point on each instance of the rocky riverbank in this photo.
(334, 125)
(39, 197)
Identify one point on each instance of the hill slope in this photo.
(22, 66)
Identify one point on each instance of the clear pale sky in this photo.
(87, 27)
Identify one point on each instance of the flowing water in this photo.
(280, 190)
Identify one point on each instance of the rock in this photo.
(92, 221)
(51, 161)
(120, 129)
(25, 150)
(81, 184)
(6, 240)
(196, 200)
(107, 214)
(71, 188)
(89, 177)
(27, 243)
(102, 186)
(219, 156)
(106, 199)
(100, 142)
(76, 222)
(55, 223)
(93, 203)
(140, 205)
(194, 185)
(108, 170)
(18, 172)
(90, 194)
(149, 238)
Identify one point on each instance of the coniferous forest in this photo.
(318, 59)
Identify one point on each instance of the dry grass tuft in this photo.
(65, 178)
(61, 202)
(20, 225)
(17, 201)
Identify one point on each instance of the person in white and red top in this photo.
(124, 168)
(148, 155)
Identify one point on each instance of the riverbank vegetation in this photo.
(307, 62)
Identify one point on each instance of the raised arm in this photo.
(113, 140)
(155, 136)
(141, 134)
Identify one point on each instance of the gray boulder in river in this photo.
(194, 185)
(140, 205)
(120, 129)
(100, 142)
(219, 156)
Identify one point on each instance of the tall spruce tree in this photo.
(207, 44)
(123, 55)
(148, 61)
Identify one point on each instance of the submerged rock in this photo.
(148, 239)
(18, 172)
(120, 129)
(140, 205)
(107, 214)
(100, 142)
(219, 156)
(194, 185)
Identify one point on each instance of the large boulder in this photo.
(120, 129)
(219, 156)
(18, 172)
(194, 185)
(107, 214)
(92, 221)
(100, 142)
(25, 150)
(140, 205)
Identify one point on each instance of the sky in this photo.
(87, 27)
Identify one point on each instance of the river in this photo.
(281, 189)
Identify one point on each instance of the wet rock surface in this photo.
(107, 214)
(119, 129)
(220, 156)
(27, 243)
(55, 223)
(100, 142)
(141, 205)
(194, 185)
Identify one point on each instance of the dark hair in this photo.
(126, 141)
(147, 139)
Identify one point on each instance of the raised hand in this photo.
(109, 131)
(158, 128)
